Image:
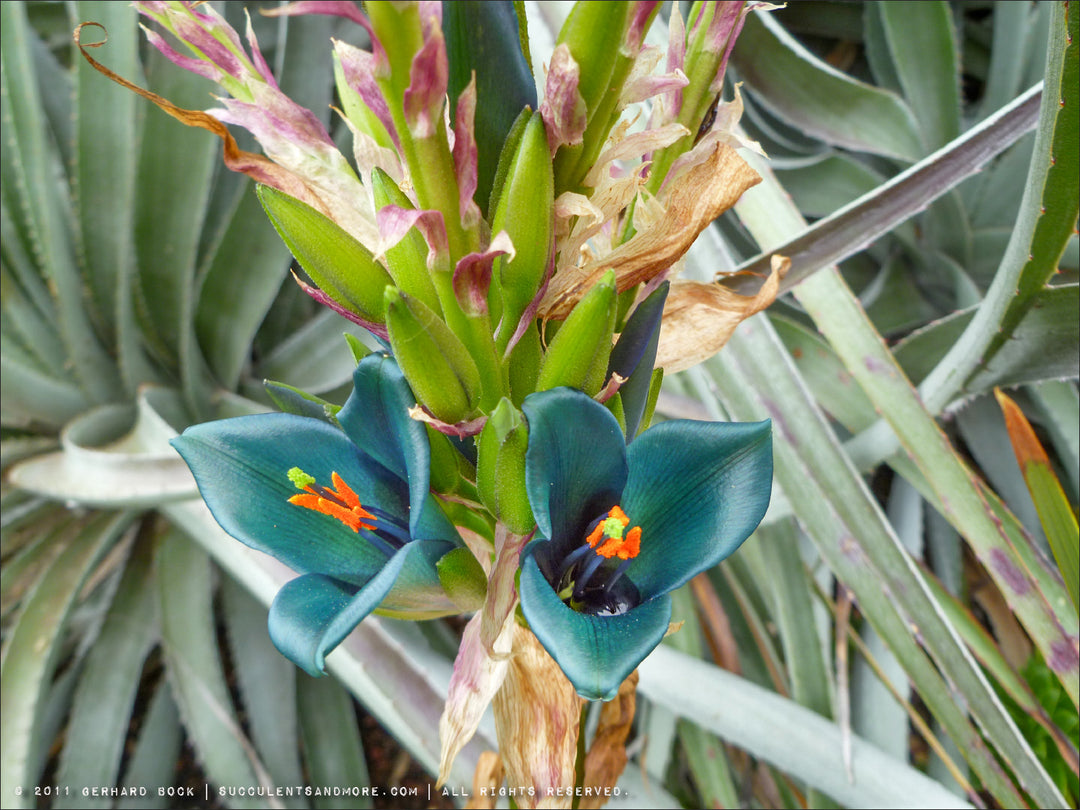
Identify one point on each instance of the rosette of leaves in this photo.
(931, 228)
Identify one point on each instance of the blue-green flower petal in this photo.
(417, 592)
(241, 468)
(376, 417)
(596, 652)
(575, 464)
(633, 356)
(314, 613)
(698, 490)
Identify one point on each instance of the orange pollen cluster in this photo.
(615, 543)
(342, 504)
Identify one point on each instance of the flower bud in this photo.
(451, 472)
(578, 356)
(338, 264)
(436, 364)
(462, 578)
(523, 367)
(525, 210)
(500, 468)
(407, 260)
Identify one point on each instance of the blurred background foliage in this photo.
(901, 629)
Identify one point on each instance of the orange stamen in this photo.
(615, 544)
(617, 513)
(353, 514)
(596, 534)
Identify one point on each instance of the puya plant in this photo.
(851, 545)
(495, 455)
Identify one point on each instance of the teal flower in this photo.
(619, 526)
(349, 509)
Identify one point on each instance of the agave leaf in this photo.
(333, 752)
(986, 649)
(832, 386)
(991, 196)
(267, 682)
(826, 183)
(780, 731)
(1060, 406)
(314, 357)
(844, 324)
(32, 648)
(34, 398)
(156, 752)
(113, 456)
(232, 304)
(820, 100)
(29, 548)
(34, 336)
(194, 668)
(1056, 514)
(922, 43)
(1047, 220)
(793, 610)
(755, 379)
(878, 56)
(97, 729)
(1008, 56)
(850, 229)
(1044, 346)
(55, 87)
(104, 190)
(166, 247)
(982, 428)
(18, 251)
(32, 169)
(705, 754)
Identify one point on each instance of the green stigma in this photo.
(300, 478)
(613, 527)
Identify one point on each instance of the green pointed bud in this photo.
(407, 260)
(290, 399)
(462, 577)
(525, 210)
(506, 156)
(500, 467)
(451, 472)
(523, 366)
(434, 361)
(578, 355)
(506, 159)
(338, 264)
(615, 405)
(357, 349)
